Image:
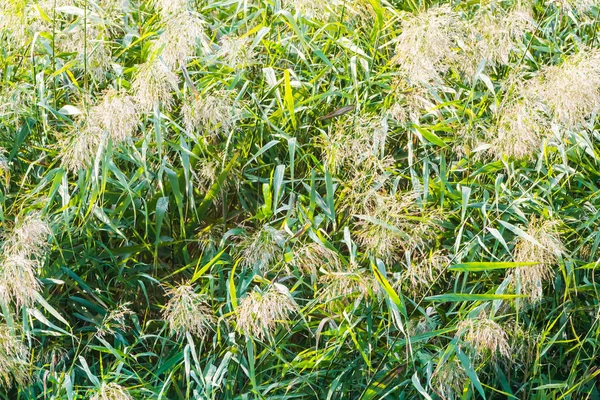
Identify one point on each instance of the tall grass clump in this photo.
(269, 199)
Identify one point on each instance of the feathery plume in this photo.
(13, 29)
(424, 324)
(494, 33)
(111, 391)
(154, 84)
(426, 48)
(21, 252)
(483, 336)
(412, 102)
(115, 319)
(261, 313)
(18, 279)
(13, 359)
(519, 129)
(311, 256)
(545, 251)
(262, 247)
(169, 8)
(572, 89)
(389, 226)
(575, 5)
(422, 273)
(449, 379)
(180, 38)
(90, 48)
(117, 114)
(356, 150)
(188, 311)
(236, 51)
(339, 286)
(80, 147)
(215, 112)
(4, 169)
(29, 237)
(315, 10)
(205, 173)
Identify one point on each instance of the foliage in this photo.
(295, 199)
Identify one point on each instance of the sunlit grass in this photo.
(345, 199)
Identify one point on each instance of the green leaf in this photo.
(488, 266)
(466, 363)
(288, 97)
(431, 137)
(200, 272)
(454, 297)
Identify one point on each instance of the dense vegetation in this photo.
(328, 199)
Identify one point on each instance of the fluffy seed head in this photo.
(483, 336)
(519, 130)
(29, 237)
(575, 5)
(13, 359)
(4, 169)
(154, 84)
(312, 256)
(262, 247)
(545, 252)
(80, 147)
(115, 319)
(205, 173)
(338, 287)
(493, 34)
(169, 8)
(180, 38)
(388, 228)
(91, 50)
(423, 272)
(316, 10)
(448, 379)
(188, 311)
(424, 324)
(18, 279)
(19, 263)
(116, 113)
(354, 149)
(111, 391)
(427, 45)
(571, 90)
(412, 103)
(236, 51)
(261, 313)
(213, 113)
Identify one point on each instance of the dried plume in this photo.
(180, 38)
(310, 257)
(111, 391)
(483, 336)
(493, 34)
(261, 248)
(261, 313)
(188, 311)
(449, 379)
(154, 84)
(391, 225)
(14, 367)
(21, 253)
(236, 52)
(546, 251)
(426, 48)
(570, 90)
(213, 113)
